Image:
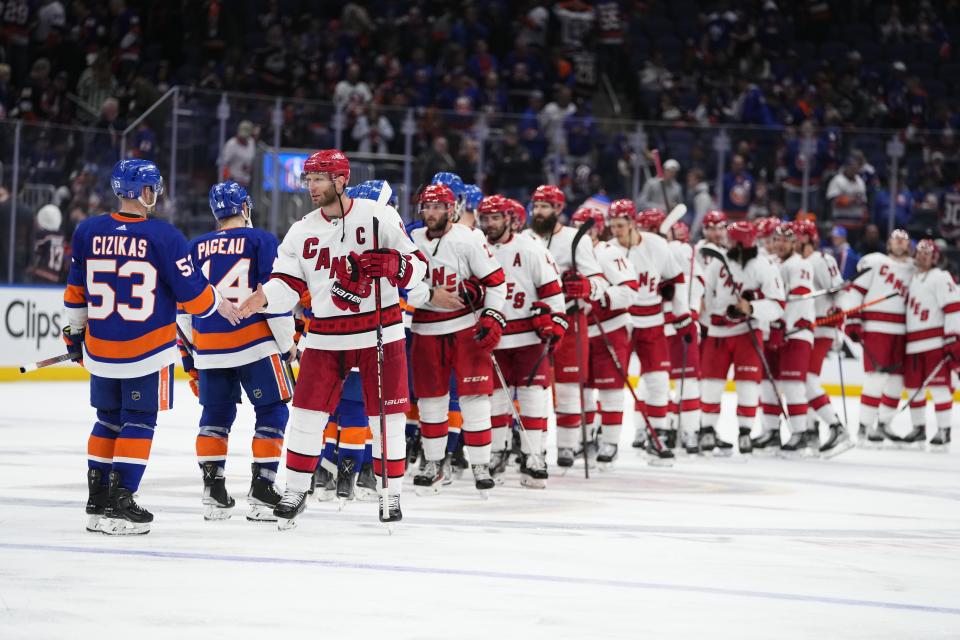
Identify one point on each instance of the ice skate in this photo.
(659, 456)
(447, 468)
(744, 443)
(413, 448)
(498, 465)
(837, 442)
(346, 479)
(262, 497)
(366, 483)
(708, 439)
(458, 462)
(533, 472)
(290, 506)
(565, 457)
(326, 484)
(393, 509)
(916, 439)
(482, 479)
(722, 448)
(96, 500)
(606, 455)
(813, 443)
(796, 445)
(123, 516)
(217, 503)
(640, 439)
(940, 442)
(430, 478)
(767, 443)
(691, 442)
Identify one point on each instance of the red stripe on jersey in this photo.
(106, 349)
(426, 316)
(202, 303)
(231, 339)
(521, 325)
(953, 307)
(298, 285)
(646, 310)
(797, 409)
(355, 322)
(935, 332)
(536, 424)
(799, 291)
(880, 316)
(860, 289)
(549, 289)
(494, 279)
(677, 279)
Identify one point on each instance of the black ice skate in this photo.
(393, 509)
(837, 442)
(366, 483)
(669, 438)
(346, 478)
(722, 448)
(796, 445)
(691, 442)
(413, 447)
(481, 478)
(744, 443)
(533, 472)
(262, 497)
(639, 439)
(708, 439)
(458, 461)
(877, 434)
(607, 454)
(498, 465)
(767, 443)
(326, 484)
(813, 442)
(217, 503)
(659, 456)
(123, 516)
(96, 499)
(915, 439)
(940, 442)
(290, 506)
(430, 478)
(565, 457)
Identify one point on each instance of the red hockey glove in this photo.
(575, 286)
(854, 330)
(490, 327)
(550, 326)
(685, 328)
(472, 292)
(190, 368)
(350, 287)
(74, 341)
(777, 336)
(385, 263)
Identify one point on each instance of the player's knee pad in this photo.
(308, 421)
(712, 389)
(813, 386)
(873, 383)
(500, 401)
(476, 412)
(218, 415)
(534, 401)
(142, 419)
(794, 391)
(109, 419)
(691, 389)
(894, 386)
(658, 387)
(610, 400)
(272, 415)
(568, 397)
(748, 393)
(767, 392)
(433, 410)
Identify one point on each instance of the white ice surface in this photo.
(862, 546)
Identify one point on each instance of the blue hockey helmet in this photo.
(353, 191)
(453, 181)
(473, 196)
(129, 177)
(227, 199)
(379, 191)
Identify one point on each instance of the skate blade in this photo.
(93, 523)
(840, 447)
(939, 448)
(654, 461)
(426, 491)
(484, 494)
(366, 495)
(533, 483)
(605, 466)
(284, 524)
(261, 513)
(212, 514)
(498, 479)
(325, 495)
(121, 527)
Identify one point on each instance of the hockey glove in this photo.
(951, 348)
(550, 326)
(734, 315)
(833, 318)
(685, 327)
(777, 336)
(667, 291)
(854, 330)
(385, 263)
(74, 341)
(472, 292)
(350, 287)
(490, 327)
(575, 286)
(189, 368)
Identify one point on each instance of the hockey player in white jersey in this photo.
(580, 287)
(933, 340)
(335, 253)
(714, 234)
(659, 279)
(736, 302)
(457, 323)
(534, 312)
(881, 329)
(826, 275)
(604, 392)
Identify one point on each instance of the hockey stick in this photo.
(384, 461)
(672, 218)
(832, 320)
(536, 365)
(581, 360)
(843, 387)
(922, 388)
(40, 364)
(713, 253)
(829, 290)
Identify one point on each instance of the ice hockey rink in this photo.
(866, 545)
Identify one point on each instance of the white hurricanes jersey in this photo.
(797, 274)
(722, 289)
(885, 276)
(531, 276)
(826, 274)
(619, 295)
(656, 266)
(692, 289)
(459, 254)
(701, 259)
(309, 257)
(933, 310)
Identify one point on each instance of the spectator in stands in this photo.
(739, 189)
(373, 131)
(352, 89)
(699, 201)
(553, 116)
(513, 167)
(104, 146)
(531, 132)
(847, 196)
(436, 159)
(468, 161)
(6, 91)
(95, 85)
(238, 154)
(872, 241)
(652, 193)
(807, 148)
(902, 208)
(843, 253)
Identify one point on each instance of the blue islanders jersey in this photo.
(127, 276)
(235, 261)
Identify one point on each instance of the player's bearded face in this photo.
(899, 247)
(494, 226)
(323, 190)
(543, 217)
(783, 246)
(436, 215)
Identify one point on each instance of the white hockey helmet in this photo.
(49, 217)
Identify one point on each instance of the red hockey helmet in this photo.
(929, 246)
(329, 161)
(742, 232)
(494, 204)
(807, 228)
(519, 212)
(899, 234)
(680, 231)
(583, 214)
(766, 227)
(623, 208)
(549, 194)
(651, 219)
(785, 230)
(437, 193)
(714, 218)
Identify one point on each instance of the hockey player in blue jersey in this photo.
(223, 359)
(127, 276)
